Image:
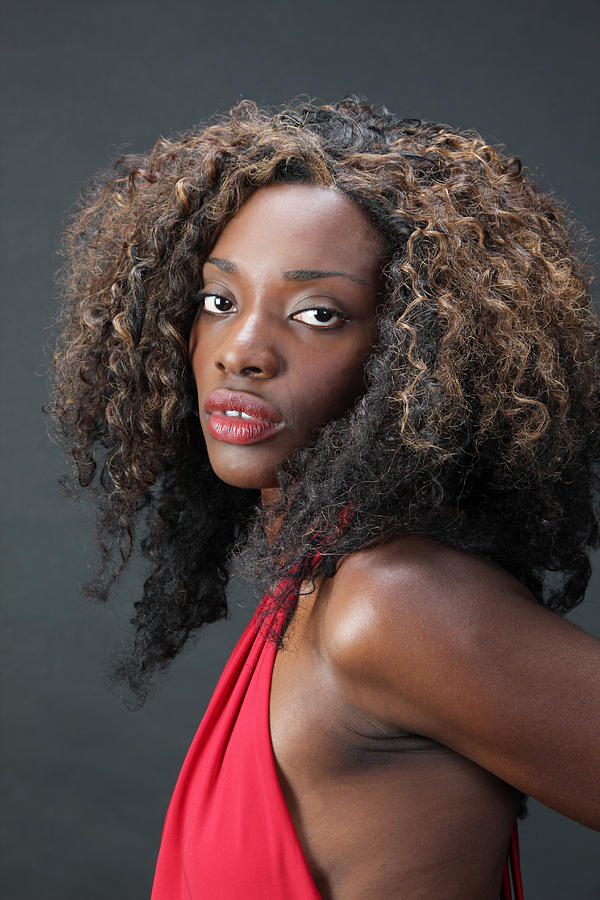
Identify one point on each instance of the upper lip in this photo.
(239, 401)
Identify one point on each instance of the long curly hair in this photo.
(480, 421)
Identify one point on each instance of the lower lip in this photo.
(235, 430)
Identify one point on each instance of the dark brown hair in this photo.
(480, 421)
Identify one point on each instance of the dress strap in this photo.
(512, 869)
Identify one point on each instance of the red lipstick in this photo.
(239, 418)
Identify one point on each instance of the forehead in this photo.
(295, 226)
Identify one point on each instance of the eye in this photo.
(320, 317)
(215, 305)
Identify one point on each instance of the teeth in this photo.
(236, 414)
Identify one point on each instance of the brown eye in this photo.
(320, 317)
(216, 305)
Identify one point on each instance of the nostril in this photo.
(255, 362)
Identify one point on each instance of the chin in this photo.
(248, 467)
(246, 477)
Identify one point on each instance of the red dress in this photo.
(228, 834)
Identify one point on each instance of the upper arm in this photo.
(440, 643)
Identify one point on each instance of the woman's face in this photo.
(285, 324)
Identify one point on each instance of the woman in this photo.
(361, 350)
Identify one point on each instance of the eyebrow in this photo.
(293, 275)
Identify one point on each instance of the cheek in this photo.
(200, 360)
(332, 389)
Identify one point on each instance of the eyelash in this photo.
(342, 317)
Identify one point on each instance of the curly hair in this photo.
(480, 421)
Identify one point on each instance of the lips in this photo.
(236, 417)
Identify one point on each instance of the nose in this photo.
(248, 349)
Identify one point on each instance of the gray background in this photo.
(85, 782)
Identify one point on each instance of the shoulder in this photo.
(412, 626)
(431, 640)
(409, 585)
(425, 559)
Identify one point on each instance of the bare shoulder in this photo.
(411, 582)
(419, 556)
(447, 644)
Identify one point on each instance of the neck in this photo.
(268, 497)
